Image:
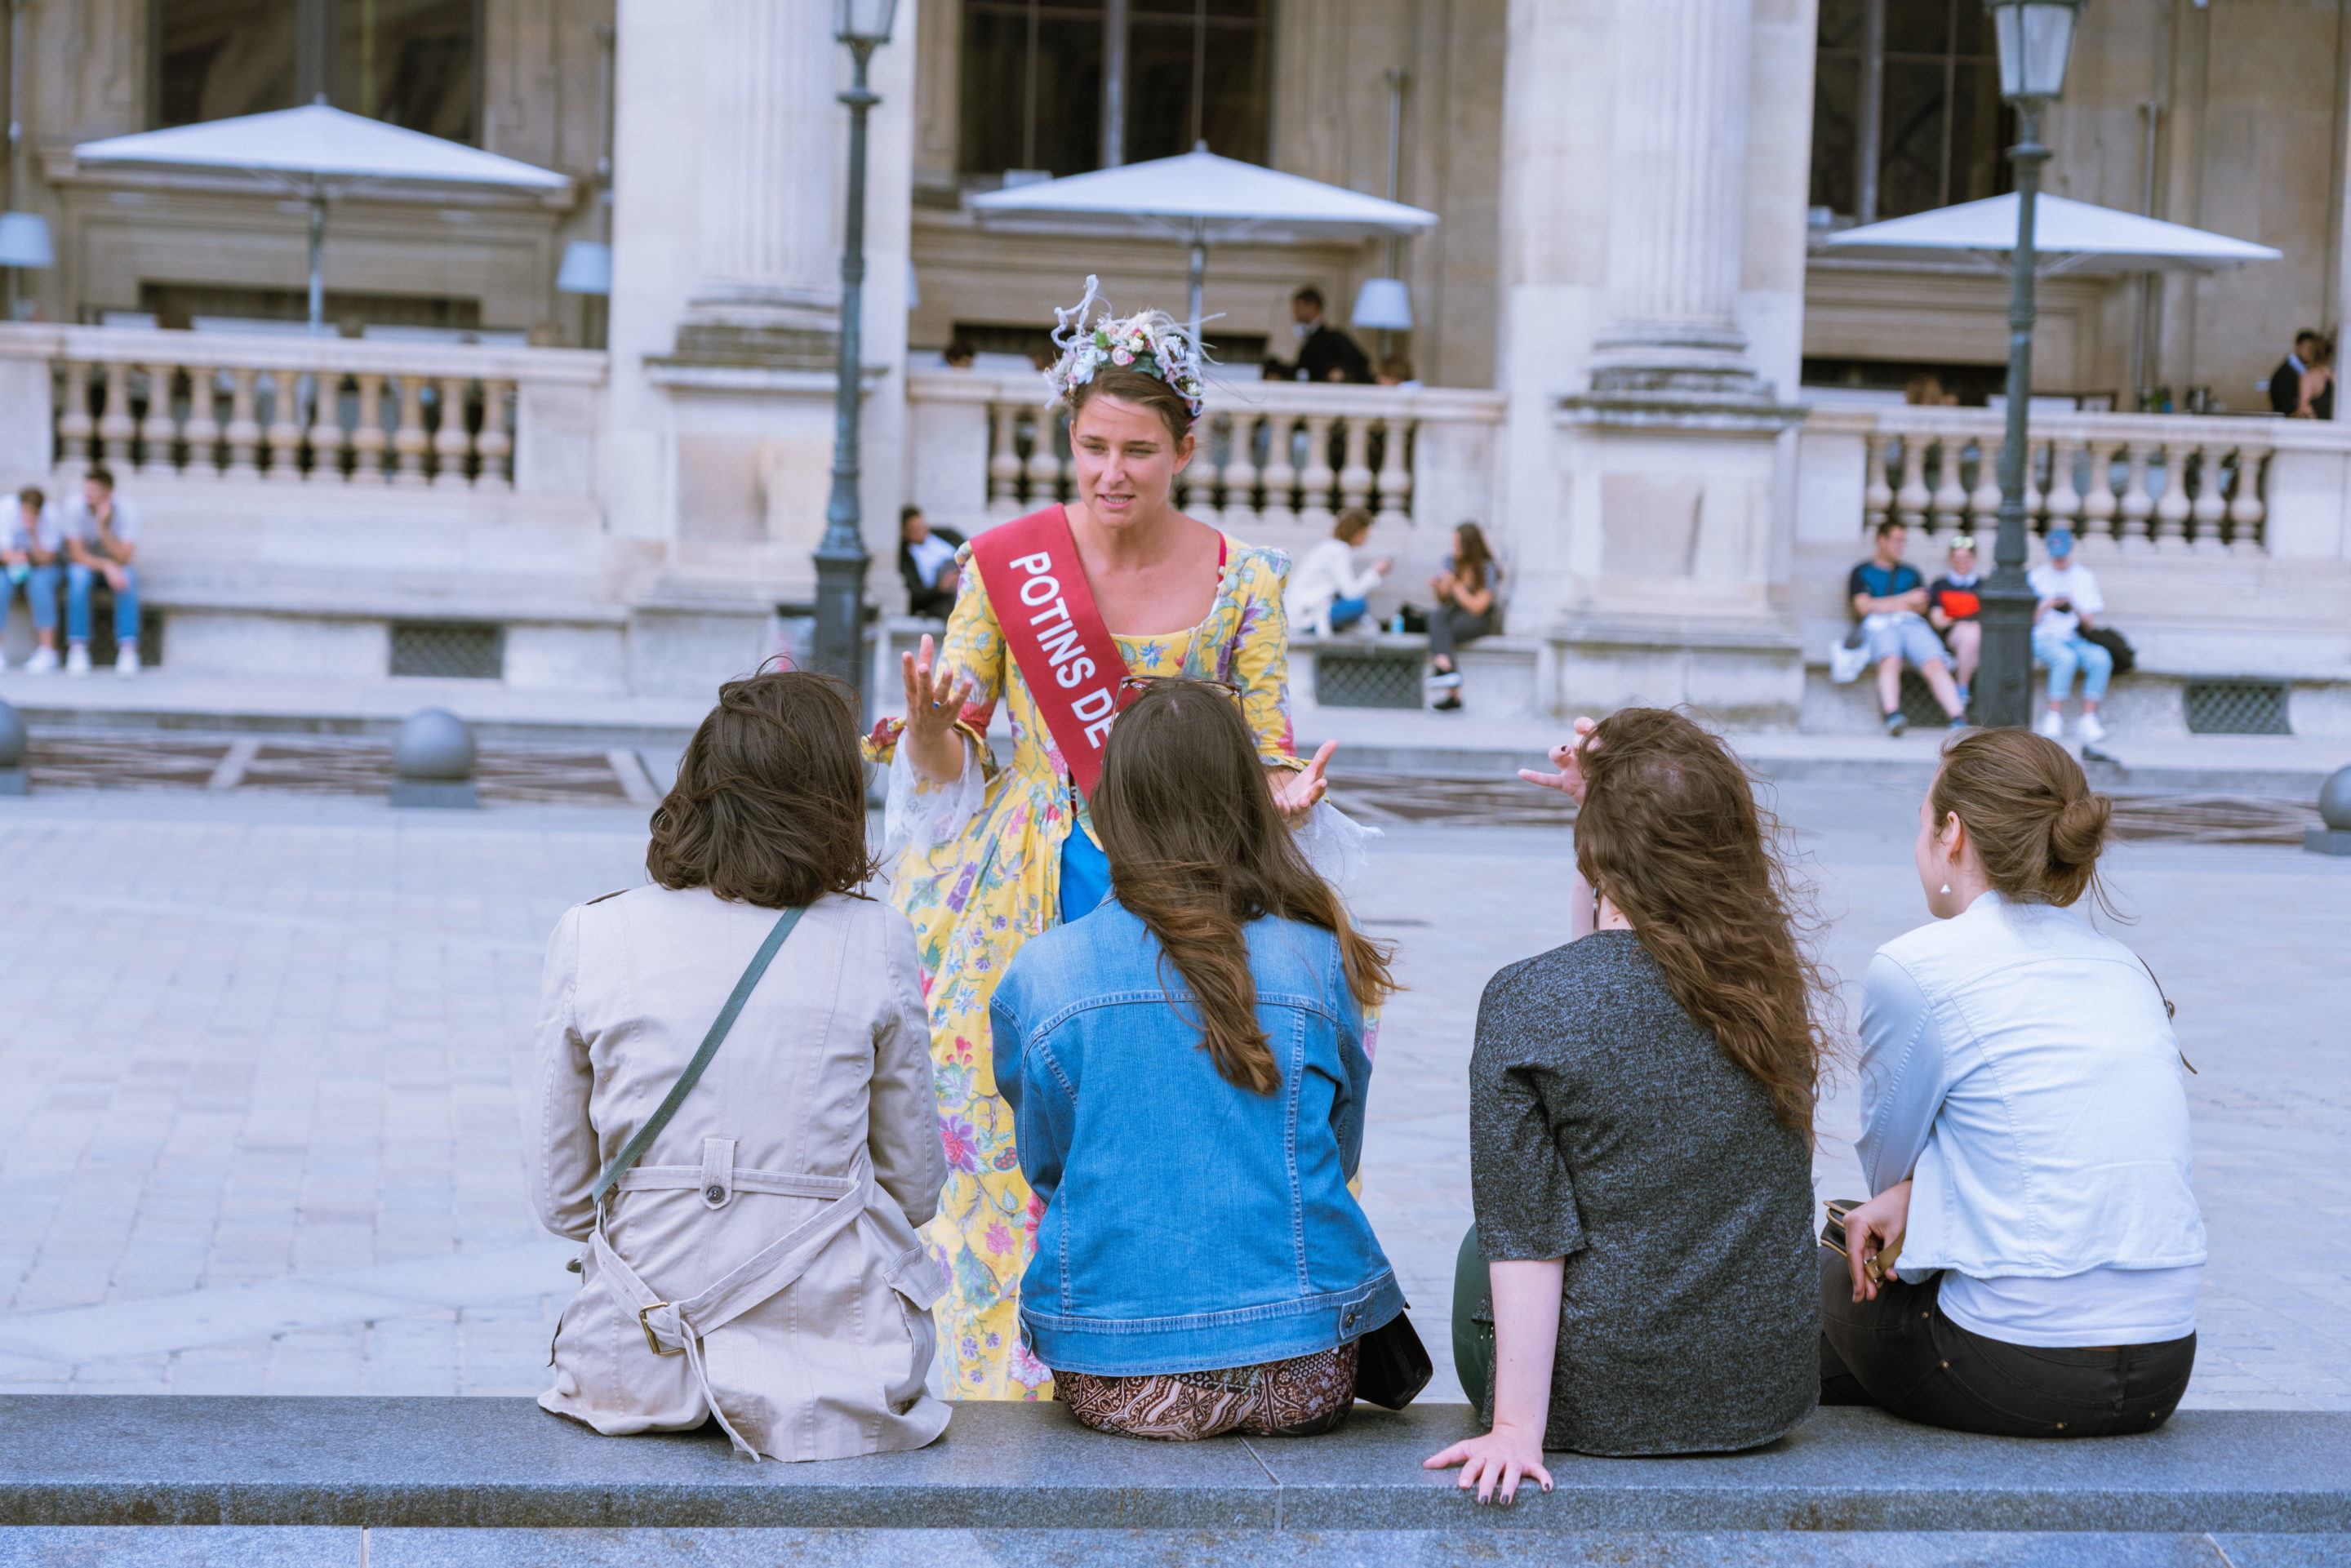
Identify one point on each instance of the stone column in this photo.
(768, 283)
(1676, 229)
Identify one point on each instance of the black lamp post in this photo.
(840, 560)
(2036, 38)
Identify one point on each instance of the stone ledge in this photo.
(504, 1464)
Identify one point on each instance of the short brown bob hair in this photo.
(770, 804)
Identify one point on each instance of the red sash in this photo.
(1046, 610)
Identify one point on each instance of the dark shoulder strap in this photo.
(2170, 1009)
(635, 1147)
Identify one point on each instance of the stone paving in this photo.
(267, 1059)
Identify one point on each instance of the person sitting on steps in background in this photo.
(1890, 599)
(1328, 592)
(101, 536)
(30, 552)
(1465, 609)
(1954, 608)
(2070, 602)
(1641, 1114)
(2029, 1265)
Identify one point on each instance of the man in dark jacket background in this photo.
(2285, 381)
(1325, 352)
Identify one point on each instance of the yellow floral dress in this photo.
(980, 877)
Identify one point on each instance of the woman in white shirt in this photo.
(1327, 592)
(2025, 1130)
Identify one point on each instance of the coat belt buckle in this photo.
(651, 1343)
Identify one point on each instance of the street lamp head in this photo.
(865, 22)
(2036, 39)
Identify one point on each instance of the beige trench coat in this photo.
(760, 1260)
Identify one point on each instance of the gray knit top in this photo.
(1608, 1127)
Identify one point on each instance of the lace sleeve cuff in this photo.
(1336, 845)
(919, 814)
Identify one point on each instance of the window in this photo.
(1907, 114)
(1061, 87)
(414, 63)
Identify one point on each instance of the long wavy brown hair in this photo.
(1670, 832)
(1197, 851)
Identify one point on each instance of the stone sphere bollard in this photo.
(432, 762)
(14, 746)
(2334, 811)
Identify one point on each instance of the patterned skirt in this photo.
(1301, 1397)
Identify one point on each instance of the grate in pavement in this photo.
(307, 767)
(110, 762)
(1378, 798)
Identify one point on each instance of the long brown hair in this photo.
(2038, 827)
(1197, 851)
(1671, 833)
(1471, 557)
(770, 804)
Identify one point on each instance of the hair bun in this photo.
(2078, 831)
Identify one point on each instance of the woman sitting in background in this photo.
(1640, 1118)
(1186, 1073)
(1465, 609)
(1327, 592)
(2025, 1125)
(752, 1257)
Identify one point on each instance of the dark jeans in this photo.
(1449, 624)
(1901, 1354)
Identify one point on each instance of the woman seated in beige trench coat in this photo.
(758, 1261)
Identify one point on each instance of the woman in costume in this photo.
(1117, 584)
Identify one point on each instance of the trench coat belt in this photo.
(677, 1328)
(788, 1184)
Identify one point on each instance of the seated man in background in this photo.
(33, 543)
(101, 535)
(1890, 597)
(926, 559)
(1954, 602)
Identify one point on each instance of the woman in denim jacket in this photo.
(2024, 1126)
(1194, 1047)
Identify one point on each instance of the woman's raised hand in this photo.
(1568, 758)
(935, 700)
(1294, 794)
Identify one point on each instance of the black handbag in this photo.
(1392, 1365)
(2126, 657)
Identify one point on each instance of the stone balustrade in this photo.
(1275, 458)
(286, 409)
(2128, 483)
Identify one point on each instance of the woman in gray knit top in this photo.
(1641, 1104)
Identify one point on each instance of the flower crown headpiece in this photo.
(1151, 341)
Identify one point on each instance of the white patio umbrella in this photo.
(1200, 199)
(2068, 236)
(318, 153)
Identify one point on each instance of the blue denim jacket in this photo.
(1188, 1223)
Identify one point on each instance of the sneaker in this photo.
(126, 661)
(42, 661)
(2052, 724)
(1896, 723)
(77, 660)
(1446, 680)
(1452, 704)
(1956, 721)
(2092, 730)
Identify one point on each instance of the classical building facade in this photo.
(1630, 358)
